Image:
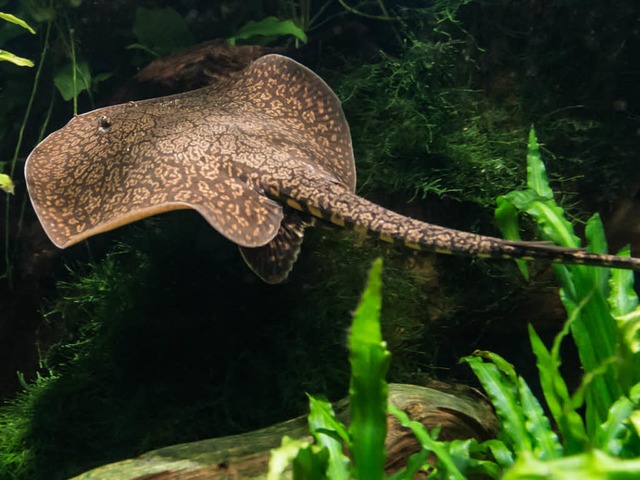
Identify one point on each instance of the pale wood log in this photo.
(459, 412)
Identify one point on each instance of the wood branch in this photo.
(460, 414)
(201, 65)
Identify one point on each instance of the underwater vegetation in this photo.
(596, 433)
(157, 334)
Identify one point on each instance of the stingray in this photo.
(260, 155)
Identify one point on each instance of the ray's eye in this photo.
(105, 123)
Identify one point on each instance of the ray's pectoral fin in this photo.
(273, 262)
(238, 212)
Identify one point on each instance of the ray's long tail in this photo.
(332, 203)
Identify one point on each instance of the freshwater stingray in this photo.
(259, 155)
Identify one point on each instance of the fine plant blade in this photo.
(368, 390)
(330, 434)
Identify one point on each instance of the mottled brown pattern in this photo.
(206, 150)
(273, 137)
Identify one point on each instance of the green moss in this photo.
(418, 132)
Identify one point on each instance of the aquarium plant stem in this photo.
(16, 152)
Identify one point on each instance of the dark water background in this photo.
(157, 333)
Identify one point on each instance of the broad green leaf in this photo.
(10, 57)
(161, 30)
(6, 184)
(268, 27)
(63, 80)
(368, 390)
(330, 434)
(13, 19)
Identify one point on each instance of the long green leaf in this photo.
(13, 19)
(368, 391)
(557, 396)
(504, 397)
(10, 57)
(544, 439)
(536, 171)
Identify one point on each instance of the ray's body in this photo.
(259, 156)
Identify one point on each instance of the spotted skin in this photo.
(257, 155)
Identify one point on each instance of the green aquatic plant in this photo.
(267, 30)
(440, 138)
(368, 392)
(70, 77)
(8, 56)
(160, 31)
(597, 429)
(6, 184)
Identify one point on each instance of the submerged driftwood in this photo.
(459, 413)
